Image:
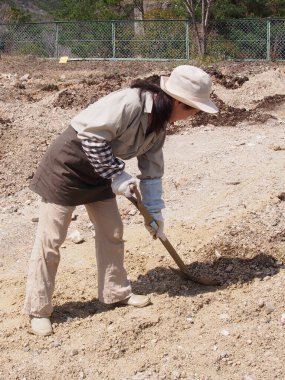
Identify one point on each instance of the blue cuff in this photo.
(151, 191)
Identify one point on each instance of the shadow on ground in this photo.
(161, 280)
(225, 270)
(73, 310)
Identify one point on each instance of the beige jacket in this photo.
(122, 119)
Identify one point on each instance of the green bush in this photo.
(32, 48)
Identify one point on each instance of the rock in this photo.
(233, 183)
(12, 209)
(74, 352)
(189, 318)
(281, 196)
(229, 268)
(248, 377)
(25, 77)
(74, 217)
(224, 316)
(269, 307)
(218, 253)
(35, 220)
(225, 332)
(175, 374)
(75, 237)
(277, 147)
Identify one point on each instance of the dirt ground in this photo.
(225, 215)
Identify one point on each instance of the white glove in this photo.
(121, 184)
(157, 226)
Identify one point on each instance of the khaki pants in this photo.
(113, 285)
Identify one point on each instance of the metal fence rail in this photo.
(243, 39)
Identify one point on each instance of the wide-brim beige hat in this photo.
(190, 85)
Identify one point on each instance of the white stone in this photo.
(75, 237)
(25, 77)
(225, 332)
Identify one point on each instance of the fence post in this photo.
(56, 40)
(268, 39)
(114, 39)
(187, 40)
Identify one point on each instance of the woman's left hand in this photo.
(121, 184)
(156, 228)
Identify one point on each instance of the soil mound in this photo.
(270, 102)
(227, 81)
(259, 86)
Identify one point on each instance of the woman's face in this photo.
(181, 111)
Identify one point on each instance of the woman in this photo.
(84, 166)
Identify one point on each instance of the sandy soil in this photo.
(225, 215)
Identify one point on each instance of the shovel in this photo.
(183, 271)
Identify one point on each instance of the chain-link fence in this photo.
(243, 39)
(248, 39)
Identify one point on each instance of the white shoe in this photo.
(136, 300)
(41, 326)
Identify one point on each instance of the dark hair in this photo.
(162, 104)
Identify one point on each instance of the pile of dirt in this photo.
(227, 81)
(270, 102)
(88, 91)
(230, 116)
(268, 82)
(227, 116)
(248, 69)
(235, 270)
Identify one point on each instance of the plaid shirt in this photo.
(100, 155)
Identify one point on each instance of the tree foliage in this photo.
(84, 10)
(248, 8)
(202, 12)
(124, 9)
(13, 14)
(225, 9)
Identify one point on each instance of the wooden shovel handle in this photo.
(137, 201)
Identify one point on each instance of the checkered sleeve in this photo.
(100, 155)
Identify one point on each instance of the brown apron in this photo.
(65, 176)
